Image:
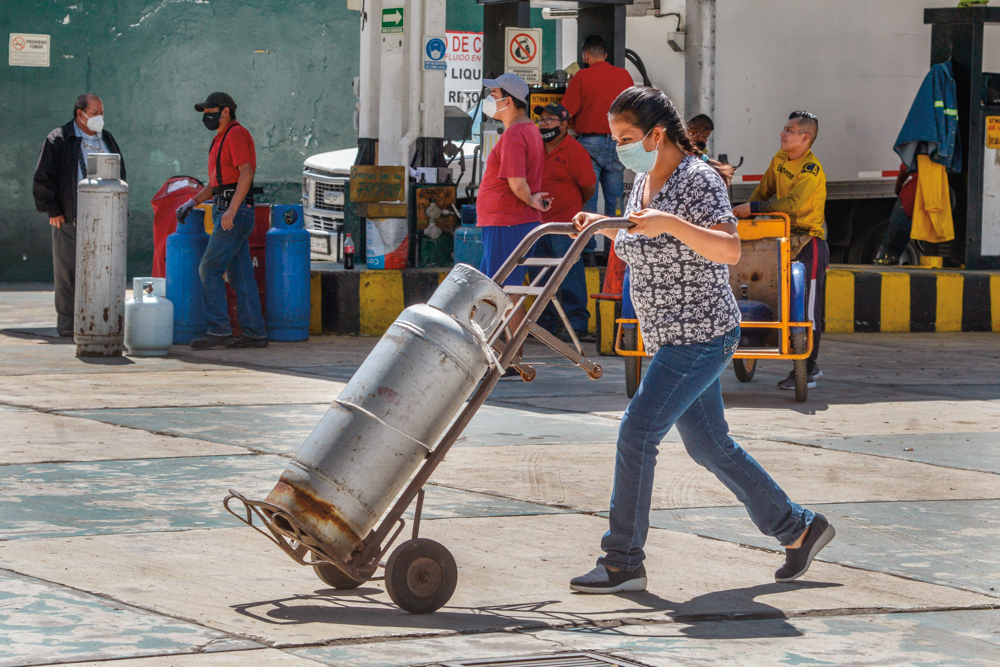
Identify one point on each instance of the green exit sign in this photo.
(392, 20)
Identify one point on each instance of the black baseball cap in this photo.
(214, 100)
(553, 108)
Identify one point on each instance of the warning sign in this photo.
(524, 53)
(28, 50)
(993, 131)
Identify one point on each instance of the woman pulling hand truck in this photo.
(684, 236)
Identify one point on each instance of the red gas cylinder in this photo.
(262, 223)
(173, 193)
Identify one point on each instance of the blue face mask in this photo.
(636, 157)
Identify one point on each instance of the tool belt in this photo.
(222, 195)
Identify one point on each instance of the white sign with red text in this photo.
(464, 77)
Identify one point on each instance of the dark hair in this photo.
(646, 108)
(83, 102)
(809, 120)
(518, 104)
(594, 45)
(701, 122)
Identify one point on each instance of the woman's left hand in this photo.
(651, 222)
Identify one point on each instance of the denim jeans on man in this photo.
(573, 291)
(609, 171)
(682, 387)
(228, 252)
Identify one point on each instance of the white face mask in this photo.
(94, 123)
(490, 107)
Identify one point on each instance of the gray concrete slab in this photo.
(159, 495)
(513, 572)
(932, 638)
(281, 429)
(954, 543)
(263, 657)
(970, 450)
(156, 389)
(42, 623)
(29, 436)
(581, 476)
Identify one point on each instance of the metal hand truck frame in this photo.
(420, 575)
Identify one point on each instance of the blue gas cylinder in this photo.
(798, 301)
(185, 248)
(286, 262)
(468, 239)
(753, 311)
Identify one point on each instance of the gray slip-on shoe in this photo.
(602, 581)
(797, 561)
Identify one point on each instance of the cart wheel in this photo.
(633, 365)
(420, 576)
(801, 379)
(331, 576)
(745, 368)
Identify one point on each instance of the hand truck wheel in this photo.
(633, 365)
(420, 576)
(799, 342)
(745, 368)
(331, 576)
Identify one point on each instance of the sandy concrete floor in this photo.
(115, 548)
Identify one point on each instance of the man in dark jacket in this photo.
(62, 164)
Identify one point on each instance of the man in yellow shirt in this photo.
(797, 183)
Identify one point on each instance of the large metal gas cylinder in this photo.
(149, 319)
(185, 248)
(392, 412)
(101, 245)
(287, 275)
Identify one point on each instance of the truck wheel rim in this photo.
(424, 577)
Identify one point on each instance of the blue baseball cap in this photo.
(510, 82)
(553, 108)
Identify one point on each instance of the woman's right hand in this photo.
(582, 220)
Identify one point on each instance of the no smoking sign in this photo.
(524, 53)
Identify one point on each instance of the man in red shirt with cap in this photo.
(569, 180)
(232, 161)
(588, 97)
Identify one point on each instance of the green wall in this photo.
(287, 63)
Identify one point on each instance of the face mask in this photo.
(549, 134)
(636, 157)
(212, 120)
(95, 123)
(490, 107)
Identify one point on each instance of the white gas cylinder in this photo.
(149, 319)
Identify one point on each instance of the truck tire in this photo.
(799, 341)
(744, 368)
(633, 365)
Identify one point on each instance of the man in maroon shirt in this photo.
(569, 180)
(588, 97)
(510, 202)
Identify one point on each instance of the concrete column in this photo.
(370, 71)
(699, 66)
(393, 91)
(433, 87)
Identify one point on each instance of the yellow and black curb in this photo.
(364, 302)
(891, 299)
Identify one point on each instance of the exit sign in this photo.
(392, 20)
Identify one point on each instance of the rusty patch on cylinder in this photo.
(106, 314)
(388, 394)
(307, 505)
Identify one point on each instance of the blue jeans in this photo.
(573, 291)
(228, 252)
(682, 387)
(609, 172)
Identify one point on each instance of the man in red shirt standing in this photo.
(232, 161)
(568, 179)
(588, 97)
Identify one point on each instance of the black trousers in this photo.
(815, 255)
(64, 274)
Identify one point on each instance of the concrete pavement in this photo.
(114, 545)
